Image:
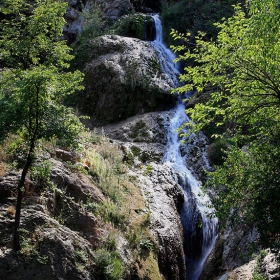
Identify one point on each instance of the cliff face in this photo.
(122, 79)
(78, 224)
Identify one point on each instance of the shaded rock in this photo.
(200, 97)
(66, 155)
(163, 193)
(52, 251)
(238, 245)
(122, 79)
(111, 9)
(145, 128)
(114, 9)
(232, 255)
(214, 260)
(73, 19)
(76, 185)
(8, 185)
(137, 25)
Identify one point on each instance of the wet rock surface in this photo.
(143, 139)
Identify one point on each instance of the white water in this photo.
(166, 56)
(197, 206)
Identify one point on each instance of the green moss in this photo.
(136, 151)
(139, 129)
(148, 170)
(131, 26)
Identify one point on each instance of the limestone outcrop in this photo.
(143, 139)
(51, 248)
(123, 78)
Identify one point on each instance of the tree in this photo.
(34, 80)
(243, 66)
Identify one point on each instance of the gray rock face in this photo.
(50, 249)
(112, 10)
(270, 266)
(124, 78)
(164, 196)
(77, 186)
(73, 20)
(144, 138)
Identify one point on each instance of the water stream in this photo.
(200, 230)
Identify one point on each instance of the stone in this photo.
(270, 266)
(53, 250)
(111, 9)
(66, 155)
(123, 78)
(161, 191)
(76, 185)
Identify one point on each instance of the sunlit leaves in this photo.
(34, 81)
(243, 68)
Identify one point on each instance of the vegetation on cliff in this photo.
(242, 65)
(193, 16)
(34, 81)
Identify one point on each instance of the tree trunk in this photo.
(20, 186)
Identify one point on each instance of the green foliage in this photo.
(41, 173)
(34, 80)
(140, 240)
(132, 26)
(194, 15)
(92, 25)
(81, 256)
(257, 272)
(148, 170)
(140, 129)
(216, 152)
(108, 265)
(30, 245)
(242, 65)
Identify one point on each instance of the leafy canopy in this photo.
(34, 80)
(243, 68)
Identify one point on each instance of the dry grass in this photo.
(3, 169)
(11, 210)
(5, 147)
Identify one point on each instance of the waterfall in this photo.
(165, 55)
(200, 230)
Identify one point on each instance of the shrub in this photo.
(134, 26)
(108, 265)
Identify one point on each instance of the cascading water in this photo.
(200, 230)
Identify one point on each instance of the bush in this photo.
(108, 265)
(216, 152)
(91, 28)
(134, 26)
(193, 16)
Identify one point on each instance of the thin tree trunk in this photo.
(20, 186)
(27, 165)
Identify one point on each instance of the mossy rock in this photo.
(135, 26)
(123, 78)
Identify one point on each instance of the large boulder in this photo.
(164, 196)
(123, 78)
